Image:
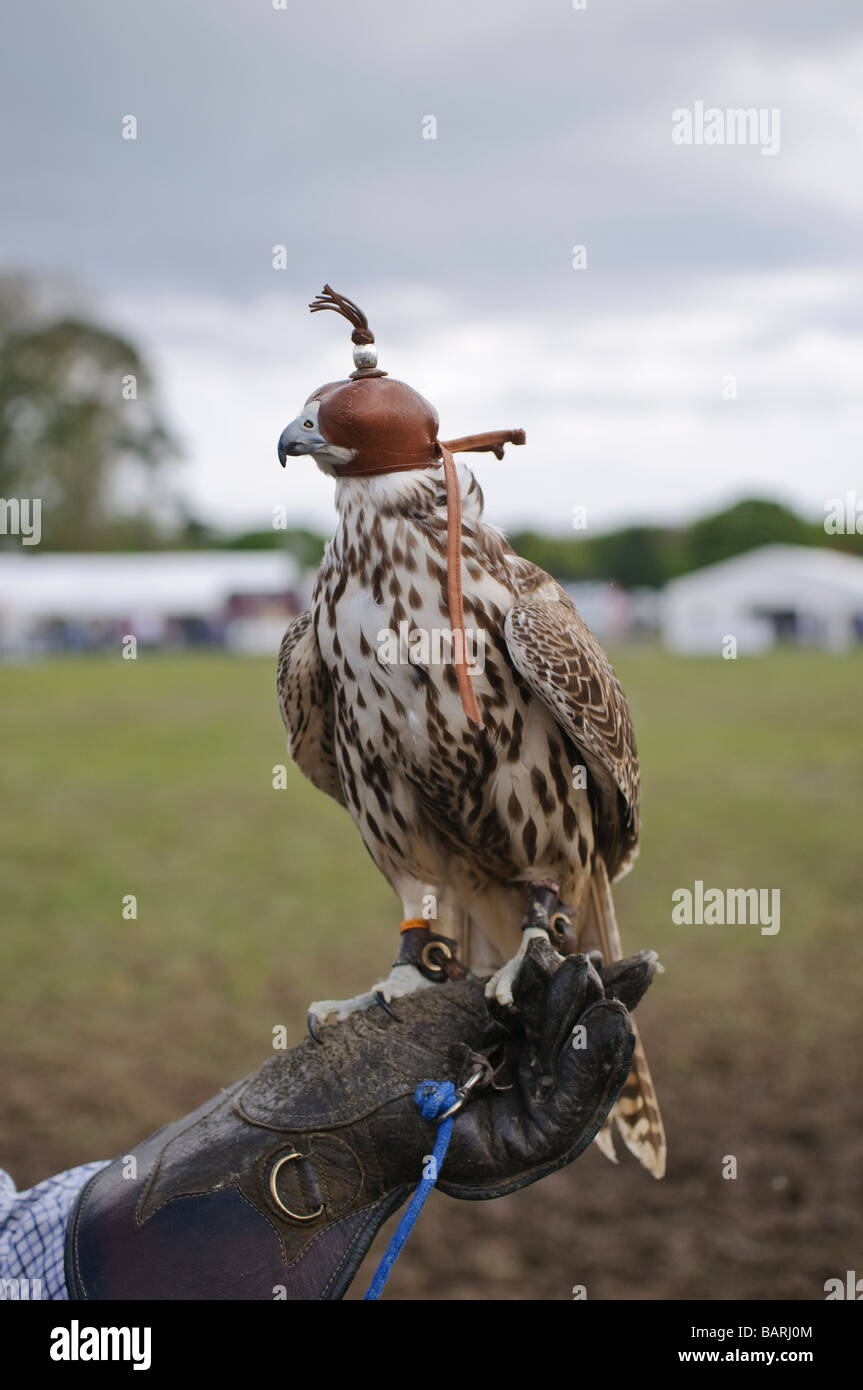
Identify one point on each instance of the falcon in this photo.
(447, 693)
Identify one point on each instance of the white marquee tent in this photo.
(778, 593)
(145, 591)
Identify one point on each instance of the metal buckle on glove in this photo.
(295, 1216)
(462, 1093)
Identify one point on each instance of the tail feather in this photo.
(636, 1113)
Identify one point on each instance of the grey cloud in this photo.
(303, 127)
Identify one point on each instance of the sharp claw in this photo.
(384, 1003)
(313, 1027)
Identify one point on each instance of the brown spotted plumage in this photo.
(461, 820)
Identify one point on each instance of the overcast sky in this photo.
(304, 126)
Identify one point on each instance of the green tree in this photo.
(632, 557)
(745, 526)
(79, 426)
(306, 546)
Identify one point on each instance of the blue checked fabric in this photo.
(32, 1233)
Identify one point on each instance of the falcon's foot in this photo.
(402, 980)
(542, 903)
(501, 985)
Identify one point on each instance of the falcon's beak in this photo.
(299, 437)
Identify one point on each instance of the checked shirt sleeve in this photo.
(32, 1233)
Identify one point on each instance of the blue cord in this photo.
(433, 1098)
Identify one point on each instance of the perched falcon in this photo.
(499, 757)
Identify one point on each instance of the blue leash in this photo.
(433, 1098)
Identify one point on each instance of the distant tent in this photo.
(238, 599)
(778, 594)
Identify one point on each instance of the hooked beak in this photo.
(296, 439)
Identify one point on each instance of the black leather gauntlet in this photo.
(276, 1187)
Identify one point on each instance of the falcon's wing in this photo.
(306, 703)
(565, 666)
(562, 662)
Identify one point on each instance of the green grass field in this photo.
(154, 778)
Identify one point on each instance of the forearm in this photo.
(33, 1232)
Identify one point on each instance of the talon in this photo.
(313, 1027)
(384, 1003)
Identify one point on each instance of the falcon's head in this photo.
(367, 424)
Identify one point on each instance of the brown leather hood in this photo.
(389, 424)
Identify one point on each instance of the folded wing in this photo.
(564, 665)
(306, 703)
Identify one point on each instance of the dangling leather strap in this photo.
(455, 599)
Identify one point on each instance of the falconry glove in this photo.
(276, 1187)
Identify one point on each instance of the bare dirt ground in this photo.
(792, 1218)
